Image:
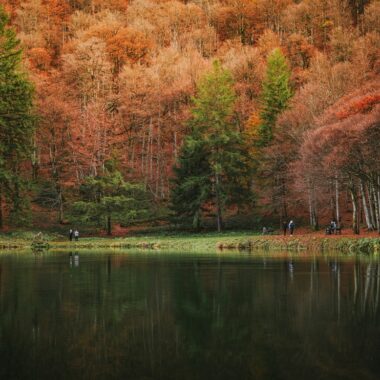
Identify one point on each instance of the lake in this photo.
(136, 315)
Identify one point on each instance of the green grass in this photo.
(240, 240)
(177, 241)
(192, 242)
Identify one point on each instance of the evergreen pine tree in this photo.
(213, 167)
(16, 121)
(108, 198)
(275, 95)
(191, 183)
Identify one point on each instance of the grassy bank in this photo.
(206, 242)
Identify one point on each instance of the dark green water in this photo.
(154, 316)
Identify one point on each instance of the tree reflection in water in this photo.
(141, 316)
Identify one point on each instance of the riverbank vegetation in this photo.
(186, 113)
(207, 242)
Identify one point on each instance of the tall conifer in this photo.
(16, 121)
(275, 95)
(213, 168)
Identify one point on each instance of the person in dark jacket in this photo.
(291, 227)
(284, 227)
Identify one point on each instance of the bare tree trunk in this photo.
(150, 151)
(158, 161)
(315, 217)
(365, 207)
(34, 159)
(354, 198)
(332, 199)
(284, 213)
(312, 210)
(374, 205)
(371, 210)
(142, 153)
(60, 206)
(337, 209)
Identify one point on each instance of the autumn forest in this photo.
(195, 113)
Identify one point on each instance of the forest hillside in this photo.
(190, 111)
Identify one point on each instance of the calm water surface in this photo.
(157, 316)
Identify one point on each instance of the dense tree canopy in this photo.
(114, 80)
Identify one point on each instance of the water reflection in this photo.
(74, 259)
(290, 268)
(141, 316)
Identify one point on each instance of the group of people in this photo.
(288, 227)
(73, 234)
(333, 228)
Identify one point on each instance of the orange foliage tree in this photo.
(116, 78)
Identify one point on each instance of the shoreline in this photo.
(215, 242)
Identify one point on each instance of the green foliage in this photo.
(46, 195)
(213, 167)
(276, 93)
(21, 213)
(16, 120)
(191, 183)
(109, 197)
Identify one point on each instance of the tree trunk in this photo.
(312, 210)
(284, 213)
(109, 225)
(219, 218)
(337, 209)
(158, 161)
(34, 161)
(142, 153)
(315, 218)
(60, 209)
(375, 204)
(371, 210)
(197, 221)
(150, 152)
(355, 224)
(332, 200)
(16, 198)
(365, 207)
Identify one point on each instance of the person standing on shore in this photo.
(76, 235)
(291, 227)
(71, 233)
(284, 227)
